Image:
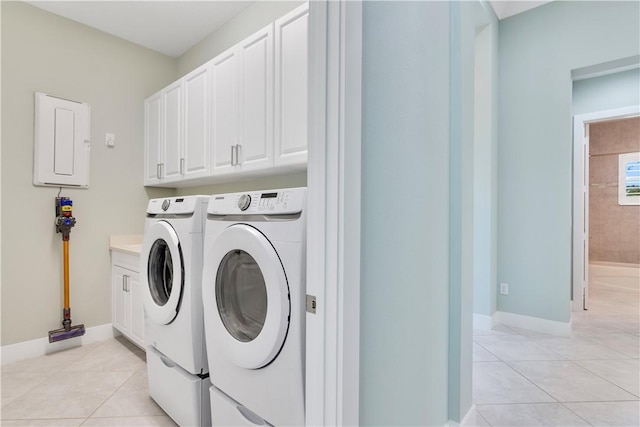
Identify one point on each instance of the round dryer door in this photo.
(251, 295)
(162, 272)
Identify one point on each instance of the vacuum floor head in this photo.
(65, 334)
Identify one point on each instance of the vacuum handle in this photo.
(65, 261)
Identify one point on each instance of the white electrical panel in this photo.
(62, 148)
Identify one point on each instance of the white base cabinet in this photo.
(127, 311)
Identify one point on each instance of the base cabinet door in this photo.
(127, 311)
(120, 301)
(136, 313)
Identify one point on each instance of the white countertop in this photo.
(127, 243)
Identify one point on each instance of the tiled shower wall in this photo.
(614, 230)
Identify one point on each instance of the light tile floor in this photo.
(524, 378)
(100, 384)
(521, 378)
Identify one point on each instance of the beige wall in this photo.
(237, 29)
(614, 230)
(243, 25)
(44, 52)
(47, 53)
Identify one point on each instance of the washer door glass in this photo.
(162, 272)
(241, 295)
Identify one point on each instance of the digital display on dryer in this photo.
(269, 195)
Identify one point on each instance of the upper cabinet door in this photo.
(170, 169)
(291, 87)
(224, 111)
(256, 100)
(152, 138)
(195, 154)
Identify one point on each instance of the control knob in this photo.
(244, 202)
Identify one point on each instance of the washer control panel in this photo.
(175, 205)
(272, 202)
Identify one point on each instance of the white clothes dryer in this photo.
(253, 290)
(171, 274)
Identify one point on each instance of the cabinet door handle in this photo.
(124, 283)
(182, 166)
(158, 170)
(237, 154)
(232, 150)
(161, 170)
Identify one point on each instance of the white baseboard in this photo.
(537, 324)
(470, 419)
(484, 322)
(41, 346)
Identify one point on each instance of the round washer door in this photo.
(251, 295)
(162, 272)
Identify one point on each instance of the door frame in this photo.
(333, 206)
(580, 281)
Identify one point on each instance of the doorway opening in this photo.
(606, 233)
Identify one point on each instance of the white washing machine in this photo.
(171, 273)
(253, 290)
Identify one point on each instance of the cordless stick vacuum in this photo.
(64, 222)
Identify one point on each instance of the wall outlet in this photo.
(504, 288)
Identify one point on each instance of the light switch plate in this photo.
(110, 139)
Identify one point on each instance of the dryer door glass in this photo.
(241, 295)
(160, 272)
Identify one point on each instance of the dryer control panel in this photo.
(271, 202)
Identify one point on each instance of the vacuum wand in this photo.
(64, 222)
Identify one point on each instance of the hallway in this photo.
(524, 378)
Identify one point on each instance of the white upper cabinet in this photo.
(255, 147)
(224, 111)
(242, 99)
(243, 112)
(194, 162)
(177, 138)
(152, 138)
(291, 87)
(172, 99)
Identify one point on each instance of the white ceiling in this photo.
(173, 27)
(168, 27)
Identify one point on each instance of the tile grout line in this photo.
(483, 347)
(605, 379)
(575, 413)
(523, 376)
(109, 397)
(482, 416)
(531, 381)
